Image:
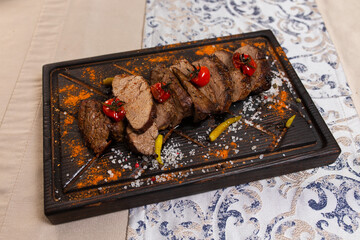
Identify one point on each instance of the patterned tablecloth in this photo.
(321, 203)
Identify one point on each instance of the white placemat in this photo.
(321, 203)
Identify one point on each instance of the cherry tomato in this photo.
(160, 91)
(244, 62)
(201, 76)
(114, 109)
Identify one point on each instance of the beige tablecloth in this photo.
(37, 32)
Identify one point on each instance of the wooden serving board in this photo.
(77, 184)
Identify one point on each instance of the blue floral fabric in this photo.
(321, 203)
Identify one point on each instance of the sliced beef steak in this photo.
(208, 90)
(180, 95)
(202, 105)
(117, 130)
(254, 52)
(165, 114)
(139, 106)
(261, 79)
(241, 84)
(178, 106)
(186, 68)
(94, 125)
(143, 143)
(221, 83)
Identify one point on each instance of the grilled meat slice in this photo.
(202, 105)
(139, 106)
(165, 114)
(254, 52)
(241, 83)
(178, 106)
(181, 97)
(221, 83)
(261, 79)
(94, 125)
(207, 90)
(143, 143)
(186, 68)
(117, 131)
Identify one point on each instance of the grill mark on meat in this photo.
(186, 68)
(94, 125)
(143, 143)
(223, 87)
(202, 105)
(178, 106)
(241, 84)
(139, 106)
(181, 97)
(208, 89)
(261, 80)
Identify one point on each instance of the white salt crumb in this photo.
(261, 156)
(110, 173)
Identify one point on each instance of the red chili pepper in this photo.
(114, 109)
(160, 91)
(244, 62)
(200, 76)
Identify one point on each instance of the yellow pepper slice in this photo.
(221, 127)
(158, 146)
(290, 121)
(108, 81)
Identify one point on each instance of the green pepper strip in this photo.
(108, 81)
(221, 127)
(290, 121)
(158, 146)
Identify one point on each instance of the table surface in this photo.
(42, 31)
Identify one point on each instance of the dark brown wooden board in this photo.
(240, 155)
